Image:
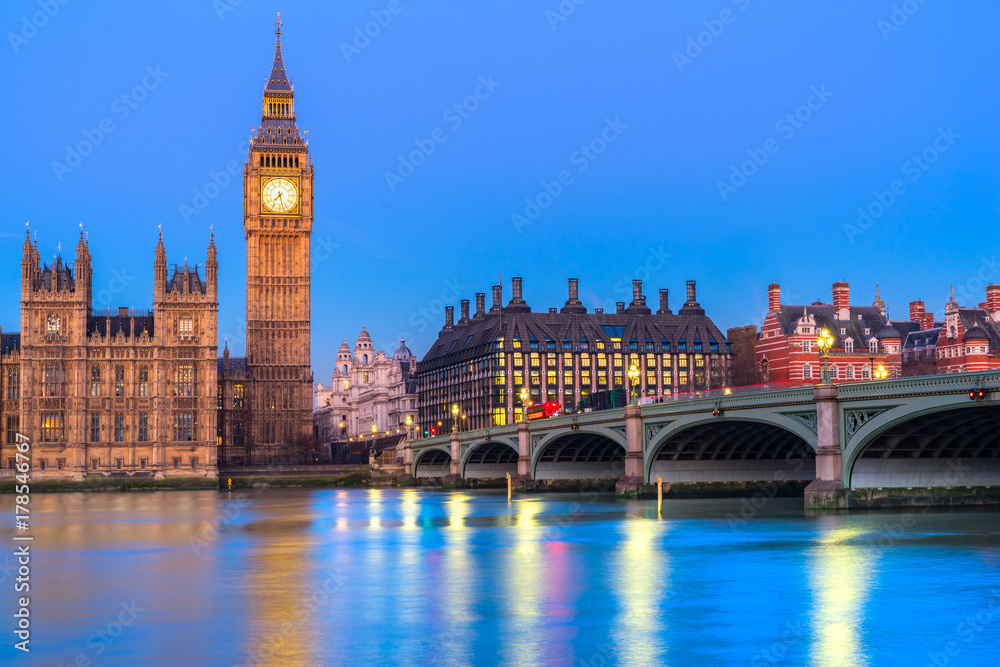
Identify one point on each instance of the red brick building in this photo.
(864, 339)
(967, 340)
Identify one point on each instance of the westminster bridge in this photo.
(909, 440)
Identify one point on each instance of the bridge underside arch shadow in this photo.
(733, 451)
(490, 460)
(580, 455)
(433, 463)
(957, 447)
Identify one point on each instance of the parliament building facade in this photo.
(129, 392)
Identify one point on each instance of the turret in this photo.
(212, 267)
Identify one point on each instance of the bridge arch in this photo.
(591, 452)
(747, 448)
(432, 462)
(923, 442)
(489, 459)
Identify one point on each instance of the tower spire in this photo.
(278, 83)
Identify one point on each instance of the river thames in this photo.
(418, 577)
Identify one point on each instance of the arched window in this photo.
(345, 369)
(364, 359)
(296, 161)
(286, 160)
(262, 160)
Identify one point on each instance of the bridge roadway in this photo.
(918, 440)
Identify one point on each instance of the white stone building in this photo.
(368, 388)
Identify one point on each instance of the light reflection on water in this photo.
(421, 577)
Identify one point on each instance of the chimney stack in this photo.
(465, 311)
(516, 289)
(497, 299)
(993, 302)
(480, 304)
(917, 310)
(842, 300)
(664, 302)
(553, 310)
(637, 299)
(573, 303)
(692, 294)
(774, 296)
(598, 311)
(449, 317)
(620, 307)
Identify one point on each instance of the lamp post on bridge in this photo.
(454, 417)
(633, 379)
(824, 342)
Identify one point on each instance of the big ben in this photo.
(277, 220)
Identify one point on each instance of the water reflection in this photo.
(840, 574)
(453, 641)
(282, 601)
(523, 578)
(642, 573)
(430, 577)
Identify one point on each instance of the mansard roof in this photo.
(479, 335)
(861, 318)
(978, 318)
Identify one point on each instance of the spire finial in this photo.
(277, 24)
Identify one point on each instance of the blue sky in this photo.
(643, 110)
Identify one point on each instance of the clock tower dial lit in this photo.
(277, 221)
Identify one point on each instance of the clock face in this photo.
(279, 195)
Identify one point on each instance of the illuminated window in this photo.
(238, 396)
(52, 427)
(119, 380)
(144, 380)
(95, 381)
(185, 380)
(185, 327)
(53, 324)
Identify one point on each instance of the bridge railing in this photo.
(728, 391)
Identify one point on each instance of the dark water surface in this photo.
(415, 577)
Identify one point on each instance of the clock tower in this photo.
(277, 220)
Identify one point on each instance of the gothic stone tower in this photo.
(277, 219)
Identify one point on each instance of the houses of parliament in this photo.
(145, 392)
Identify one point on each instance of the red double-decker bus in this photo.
(544, 410)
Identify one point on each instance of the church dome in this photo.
(402, 353)
(364, 340)
(344, 348)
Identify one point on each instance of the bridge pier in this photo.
(633, 479)
(523, 452)
(455, 469)
(827, 491)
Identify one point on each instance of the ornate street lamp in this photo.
(824, 342)
(409, 426)
(633, 379)
(524, 403)
(454, 415)
(881, 373)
